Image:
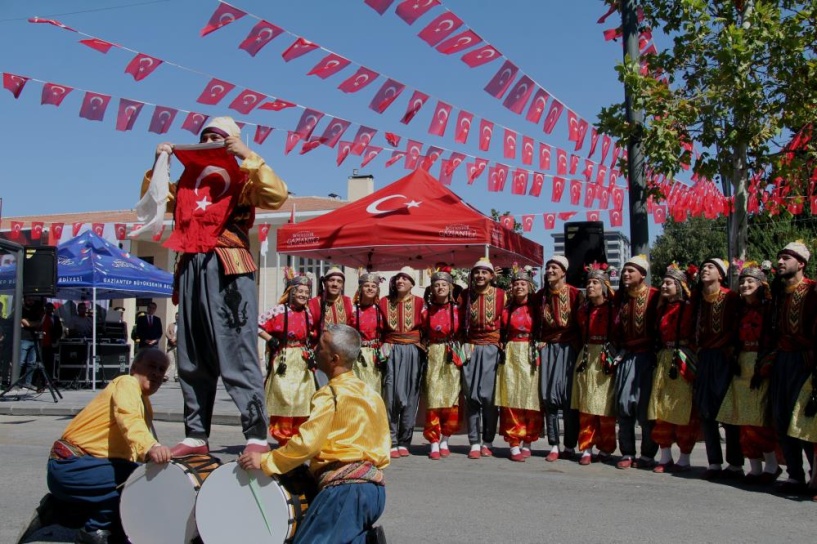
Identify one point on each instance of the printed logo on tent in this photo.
(458, 231)
(303, 238)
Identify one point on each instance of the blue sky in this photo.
(56, 162)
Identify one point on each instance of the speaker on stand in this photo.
(40, 271)
(584, 244)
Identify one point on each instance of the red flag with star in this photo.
(54, 94)
(575, 191)
(481, 55)
(475, 169)
(215, 90)
(411, 10)
(120, 230)
(387, 94)
(659, 215)
(486, 131)
(260, 35)
(558, 189)
(392, 139)
(128, 112)
(14, 83)
(308, 122)
(604, 197)
(544, 156)
(509, 144)
(464, 120)
(369, 154)
(343, 151)
(566, 216)
(263, 232)
(550, 221)
(358, 80)
(75, 228)
(292, 140)
(432, 155)
(16, 230)
(574, 164)
(301, 46)
(538, 183)
(520, 182)
(594, 140)
(40, 20)
(440, 28)
(537, 106)
(445, 172)
(561, 162)
(572, 126)
(334, 131)
(588, 169)
(582, 133)
(94, 106)
(36, 230)
(162, 119)
(395, 156)
(261, 133)
(527, 150)
(141, 66)
(460, 42)
(417, 100)
(330, 65)
(518, 98)
(507, 221)
(97, 45)
(309, 145)
(413, 151)
(194, 122)
(362, 139)
(454, 161)
(440, 119)
(616, 218)
(55, 234)
(223, 16)
(380, 6)
(502, 80)
(554, 112)
(276, 105)
(594, 215)
(589, 195)
(618, 197)
(601, 174)
(606, 141)
(98, 228)
(246, 101)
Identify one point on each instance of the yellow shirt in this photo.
(358, 430)
(115, 424)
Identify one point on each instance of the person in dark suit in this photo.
(149, 328)
(52, 334)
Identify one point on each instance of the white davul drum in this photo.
(158, 501)
(235, 504)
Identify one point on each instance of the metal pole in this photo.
(93, 340)
(639, 228)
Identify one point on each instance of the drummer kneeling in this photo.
(347, 441)
(102, 445)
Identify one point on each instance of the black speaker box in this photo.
(114, 360)
(584, 244)
(40, 271)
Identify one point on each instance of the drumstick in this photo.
(258, 501)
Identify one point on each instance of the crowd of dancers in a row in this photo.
(680, 361)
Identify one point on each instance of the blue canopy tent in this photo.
(90, 267)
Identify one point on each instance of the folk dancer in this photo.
(404, 370)
(290, 383)
(560, 340)
(369, 321)
(794, 324)
(441, 328)
(347, 463)
(675, 419)
(714, 335)
(593, 393)
(481, 307)
(635, 333)
(517, 376)
(329, 306)
(746, 403)
(217, 294)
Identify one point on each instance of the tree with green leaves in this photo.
(737, 81)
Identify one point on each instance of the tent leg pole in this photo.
(93, 345)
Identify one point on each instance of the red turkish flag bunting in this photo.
(128, 112)
(520, 182)
(260, 35)
(358, 80)
(261, 133)
(561, 162)
(475, 169)
(224, 15)
(527, 150)
(659, 215)
(432, 155)
(369, 154)
(617, 152)
(566, 216)
(464, 120)
(246, 101)
(309, 146)
(440, 28)
(594, 140)
(575, 191)
(276, 105)
(588, 169)
(333, 132)
(572, 126)
(330, 65)
(362, 139)
(616, 218)
(98, 228)
(550, 221)
(589, 195)
(14, 83)
(440, 119)
(54, 94)
(75, 228)
(387, 94)
(301, 46)
(460, 42)
(583, 125)
(502, 175)
(55, 233)
(263, 232)
(36, 230)
(605, 147)
(486, 131)
(558, 189)
(158, 235)
(509, 144)
(601, 174)
(445, 172)
(454, 161)
(344, 148)
(392, 139)
(502, 80)
(292, 140)
(481, 55)
(614, 174)
(194, 122)
(519, 95)
(120, 230)
(16, 229)
(411, 10)
(537, 106)
(507, 221)
(98, 45)
(141, 66)
(604, 197)
(494, 185)
(595, 215)
(413, 149)
(538, 183)
(380, 6)
(554, 112)
(215, 90)
(544, 156)
(414, 105)
(395, 156)
(54, 22)
(94, 106)
(308, 122)
(162, 119)
(574, 164)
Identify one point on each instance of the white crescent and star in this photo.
(373, 208)
(207, 171)
(94, 101)
(361, 79)
(216, 90)
(445, 24)
(265, 34)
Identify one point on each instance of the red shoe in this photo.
(552, 457)
(183, 450)
(434, 455)
(404, 452)
(585, 459)
(474, 454)
(445, 452)
(394, 454)
(517, 458)
(662, 468)
(485, 451)
(624, 464)
(526, 453)
(256, 448)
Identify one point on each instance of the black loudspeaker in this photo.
(40, 271)
(584, 244)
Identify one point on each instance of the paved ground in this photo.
(456, 500)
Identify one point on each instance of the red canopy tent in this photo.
(416, 221)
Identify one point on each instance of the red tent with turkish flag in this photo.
(416, 221)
